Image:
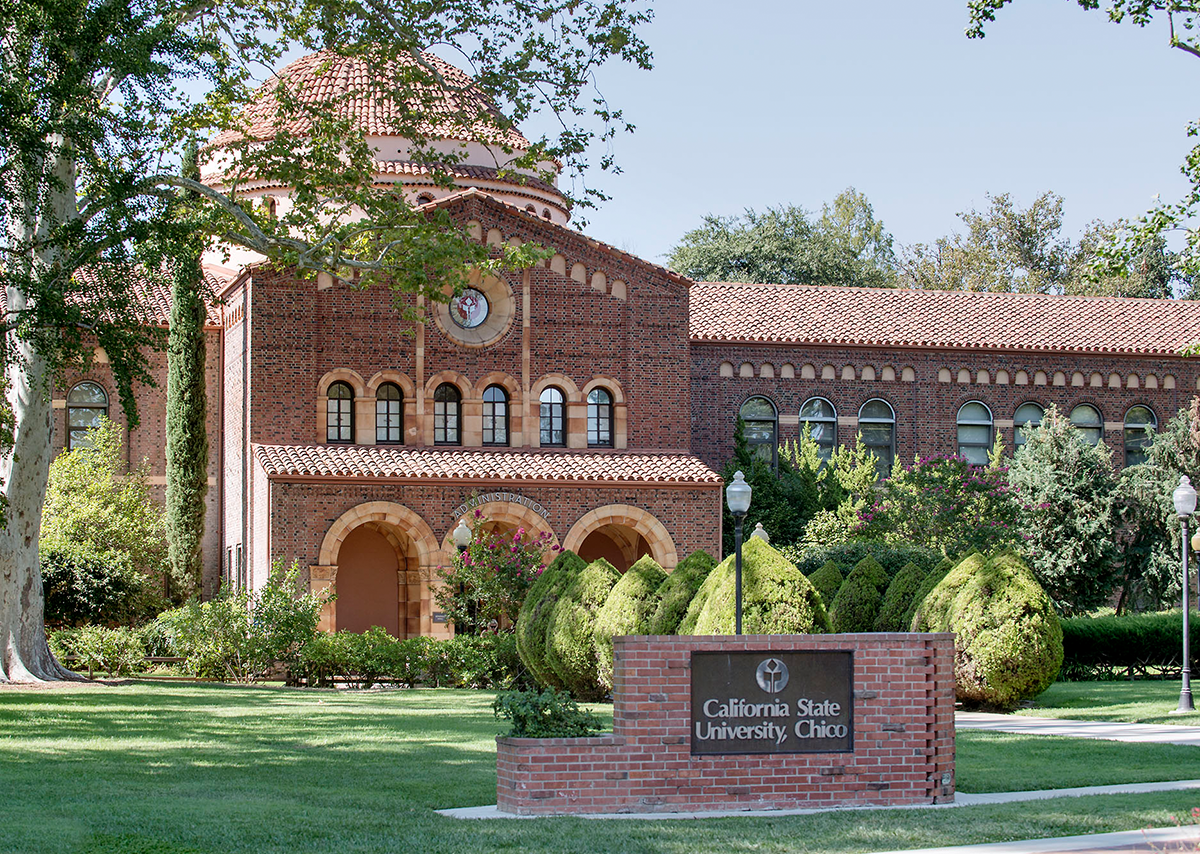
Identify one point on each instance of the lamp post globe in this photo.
(461, 536)
(1184, 498)
(737, 496)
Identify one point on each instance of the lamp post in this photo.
(737, 496)
(1185, 505)
(462, 538)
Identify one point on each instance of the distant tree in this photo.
(1183, 33)
(845, 245)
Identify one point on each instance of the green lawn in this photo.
(1145, 702)
(145, 769)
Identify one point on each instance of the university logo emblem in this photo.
(772, 675)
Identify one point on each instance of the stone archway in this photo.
(624, 531)
(357, 547)
(505, 516)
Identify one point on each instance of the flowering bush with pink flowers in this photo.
(947, 504)
(489, 580)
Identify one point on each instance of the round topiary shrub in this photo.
(857, 603)
(570, 647)
(1008, 643)
(828, 580)
(627, 611)
(533, 621)
(776, 597)
(912, 617)
(899, 598)
(678, 591)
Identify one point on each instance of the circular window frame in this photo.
(502, 310)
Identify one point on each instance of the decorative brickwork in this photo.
(903, 737)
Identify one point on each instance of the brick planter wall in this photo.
(903, 737)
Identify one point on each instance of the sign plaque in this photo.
(773, 702)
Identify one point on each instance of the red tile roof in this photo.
(466, 464)
(151, 296)
(326, 77)
(804, 314)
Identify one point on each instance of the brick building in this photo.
(589, 397)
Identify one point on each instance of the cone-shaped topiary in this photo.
(677, 592)
(912, 618)
(898, 599)
(533, 621)
(856, 605)
(776, 597)
(570, 650)
(828, 581)
(1007, 637)
(627, 611)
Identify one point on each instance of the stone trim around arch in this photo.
(662, 547)
(389, 376)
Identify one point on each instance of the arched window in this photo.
(495, 415)
(600, 418)
(339, 413)
(974, 433)
(1028, 417)
(1140, 424)
(877, 426)
(389, 415)
(553, 417)
(761, 427)
(1086, 419)
(424, 199)
(447, 415)
(818, 421)
(87, 403)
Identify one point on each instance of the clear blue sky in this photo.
(759, 103)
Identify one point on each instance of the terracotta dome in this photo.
(359, 91)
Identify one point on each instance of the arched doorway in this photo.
(370, 588)
(624, 532)
(619, 545)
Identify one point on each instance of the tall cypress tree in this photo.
(187, 406)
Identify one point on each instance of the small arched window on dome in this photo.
(447, 415)
(877, 427)
(760, 422)
(818, 421)
(531, 209)
(389, 415)
(600, 418)
(974, 433)
(1086, 419)
(424, 199)
(1027, 419)
(87, 403)
(546, 213)
(269, 205)
(339, 414)
(553, 417)
(495, 415)
(1140, 424)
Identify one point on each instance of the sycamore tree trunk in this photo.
(24, 470)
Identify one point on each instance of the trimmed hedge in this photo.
(533, 621)
(1008, 643)
(910, 620)
(627, 611)
(678, 591)
(899, 598)
(776, 597)
(570, 647)
(856, 605)
(1134, 645)
(892, 557)
(828, 580)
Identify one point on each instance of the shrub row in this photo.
(1134, 645)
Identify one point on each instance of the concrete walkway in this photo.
(1162, 840)
(1142, 733)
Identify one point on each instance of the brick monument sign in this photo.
(752, 722)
